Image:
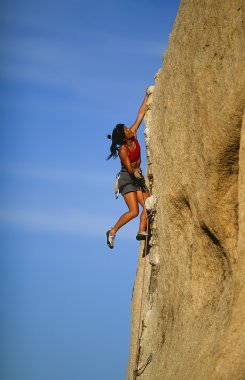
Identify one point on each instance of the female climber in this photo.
(131, 182)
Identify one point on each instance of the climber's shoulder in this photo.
(122, 151)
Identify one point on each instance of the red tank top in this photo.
(134, 156)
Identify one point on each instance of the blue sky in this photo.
(69, 71)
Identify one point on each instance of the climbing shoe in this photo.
(110, 239)
(141, 235)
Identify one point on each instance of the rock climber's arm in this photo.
(123, 154)
(140, 115)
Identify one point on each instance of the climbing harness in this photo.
(138, 371)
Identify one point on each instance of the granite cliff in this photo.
(192, 325)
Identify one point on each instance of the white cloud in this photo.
(26, 170)
(41, 61)
(63, 63)
(70, 223)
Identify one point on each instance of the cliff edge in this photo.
(192, 325)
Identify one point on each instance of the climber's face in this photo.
(128, 133)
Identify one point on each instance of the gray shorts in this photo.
(127, 183)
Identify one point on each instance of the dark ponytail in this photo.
(118, 138)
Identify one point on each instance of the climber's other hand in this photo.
(149, 90)
(137, 173)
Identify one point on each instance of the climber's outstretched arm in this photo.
(140, 115)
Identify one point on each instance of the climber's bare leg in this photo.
(133, 211)
(143, 217)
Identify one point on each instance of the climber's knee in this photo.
(134, 213)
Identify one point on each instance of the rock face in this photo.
(192, 325)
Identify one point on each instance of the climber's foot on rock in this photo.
(141, 235)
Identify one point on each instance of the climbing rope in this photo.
(138, 372)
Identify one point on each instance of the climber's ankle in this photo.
(112, 231)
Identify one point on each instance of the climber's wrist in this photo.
(137, 173)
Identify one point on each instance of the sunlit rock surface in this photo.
(193, 317)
